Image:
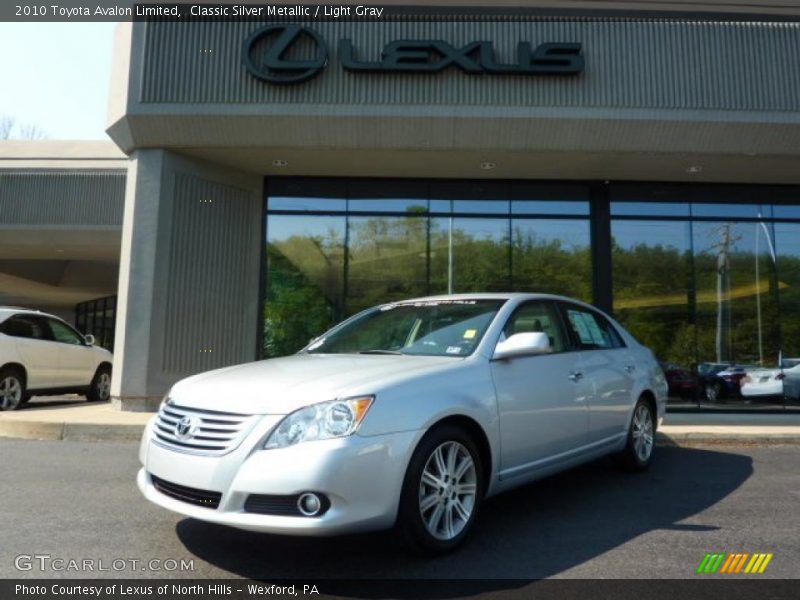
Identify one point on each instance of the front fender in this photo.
(420, 404)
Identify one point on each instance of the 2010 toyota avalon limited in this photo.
(407, 414)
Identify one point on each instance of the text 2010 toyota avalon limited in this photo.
(408, 413)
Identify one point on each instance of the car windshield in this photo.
(427, 328)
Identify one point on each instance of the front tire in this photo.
(100, 388)
(442, 491)
(638, 452)
(12, 389)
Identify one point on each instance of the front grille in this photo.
(212, 433)
(205, 498)
(264, 504)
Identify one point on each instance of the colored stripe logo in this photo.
(734, 563)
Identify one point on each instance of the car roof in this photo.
(491, 296)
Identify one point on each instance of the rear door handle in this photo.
(575, 376)
(630, 368)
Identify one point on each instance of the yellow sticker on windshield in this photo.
(470, 334)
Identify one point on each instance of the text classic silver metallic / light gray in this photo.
(407, 414)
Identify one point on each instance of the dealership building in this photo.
(271, 178)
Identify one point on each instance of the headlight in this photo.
(334, 419)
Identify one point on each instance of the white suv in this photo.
(42, 355)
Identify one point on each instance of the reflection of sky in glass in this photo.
(499, 207)
(661, 209)
(786, 212)
(549, 207)
(306, 204)
(388, 204)
(727, 211)
(787, 239)
(281, 228)
(709, 236)
(628, 234)
(480, 228)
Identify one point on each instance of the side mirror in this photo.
(89, 339)
(523, 344)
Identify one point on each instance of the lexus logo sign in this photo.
(267, 52)
(272, 64)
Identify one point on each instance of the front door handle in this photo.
(630, 368)
(575, 376)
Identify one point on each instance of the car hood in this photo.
(282, 385)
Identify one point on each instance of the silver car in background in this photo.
(409, 414)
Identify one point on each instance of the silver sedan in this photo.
(406, 415)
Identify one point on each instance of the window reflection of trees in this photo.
(709, 292)
(313, 282)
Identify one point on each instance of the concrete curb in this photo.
(743, 438)
(71, 432)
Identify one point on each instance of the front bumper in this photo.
(361, 476)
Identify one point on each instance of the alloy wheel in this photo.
(103, 386)
(643, 432)
(448, 490)
(712, 392)
(10, 393)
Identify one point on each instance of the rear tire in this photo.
(12, 389)
(638, 452)
(100, 388)
(442, 491)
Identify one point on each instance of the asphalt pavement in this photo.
(74, 500)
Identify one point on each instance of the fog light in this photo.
(309, 504)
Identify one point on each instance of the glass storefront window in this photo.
(549, 207)
(394, 205)
(324, 268)
(787, 245)
(305, 271)
(480, 255)
(552, 256)
(652, 292)
(781, 211)
(307, 204)
(498, 207)
(387, 260)
(662, 209)
(98, 318)
(728, 211)
(714, 299)
(737, 308)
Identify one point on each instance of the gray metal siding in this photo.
(62, 198)
(734, 66)
(210, 265)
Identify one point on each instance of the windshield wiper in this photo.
(379, 351)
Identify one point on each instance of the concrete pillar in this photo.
(179, 310)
